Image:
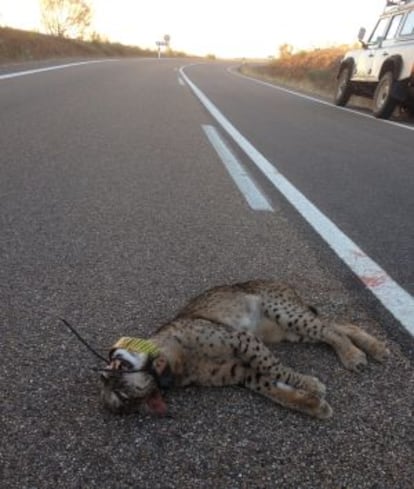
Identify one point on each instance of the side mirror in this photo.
(361, 34)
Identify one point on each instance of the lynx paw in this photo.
(355, 360)
(380, 352)
(324, 411)
(317, 407)
(313, 385)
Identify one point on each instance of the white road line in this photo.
(253, 195)
(394, 298)
(49, 68)
(181, 81)
(318, 100)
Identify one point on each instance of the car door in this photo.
(388, 46)
(365, 61)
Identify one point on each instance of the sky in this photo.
(225, 28)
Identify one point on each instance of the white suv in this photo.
(383, 69)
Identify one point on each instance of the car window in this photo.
(395, 24)
(379, 31)
(408, 27)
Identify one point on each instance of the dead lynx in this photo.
(219, 339)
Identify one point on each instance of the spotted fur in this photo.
(219, 338)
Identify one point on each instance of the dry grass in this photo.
(313, 71)
(17, 45)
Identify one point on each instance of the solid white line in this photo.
(281, 89)
(318, 100)
(253, 195)
(49, 68)
(394, 298)
(181, 81)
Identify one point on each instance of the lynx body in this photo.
(219, 338)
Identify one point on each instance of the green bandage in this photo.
(137, 345)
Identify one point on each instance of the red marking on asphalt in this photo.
(372, 281)
(359, 253)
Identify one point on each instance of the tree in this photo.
(66, 18)
(285, 51)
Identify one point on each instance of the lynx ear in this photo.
(163, 372)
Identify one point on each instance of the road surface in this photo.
(116, 208)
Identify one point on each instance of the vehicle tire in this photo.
(343, 89)
(383, 102)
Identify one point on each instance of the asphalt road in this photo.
(115, 209)
(359, 171)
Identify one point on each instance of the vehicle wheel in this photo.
(343, 87)
(384, 103)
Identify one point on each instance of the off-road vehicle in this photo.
(383, 68)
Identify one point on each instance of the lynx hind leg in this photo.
(375, 348)
(287, 396)
(302, 323)
(349, 342)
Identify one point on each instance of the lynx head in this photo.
(134, 377)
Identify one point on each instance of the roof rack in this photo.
(395, 3)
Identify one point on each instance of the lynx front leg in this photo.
(235, 372)
(287, 396)
(253, 353)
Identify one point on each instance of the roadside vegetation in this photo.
(17, 45)
(311, 71)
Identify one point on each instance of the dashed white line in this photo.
(394, 298)
(251, 192)
(49, 68)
